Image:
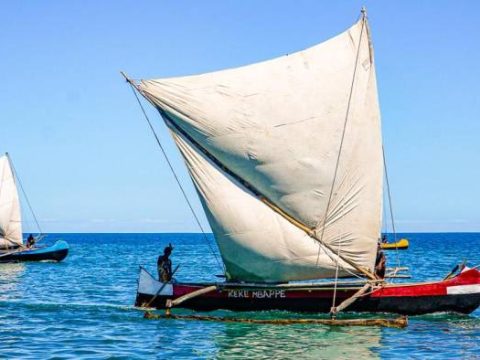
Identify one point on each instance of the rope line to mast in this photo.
(343, 135)
(390, 205)
(197, 220)
(15, 173)
(336, 278)
(389, 195)
(385, 223)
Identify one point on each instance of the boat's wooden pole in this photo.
(336, 309)
(398, 269)
(193, 294)
(181, 299)
(12, 252)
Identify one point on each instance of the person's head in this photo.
(168, 250)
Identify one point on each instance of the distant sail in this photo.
(277, 125)
(10, 215)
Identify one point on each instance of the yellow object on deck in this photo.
(401, 244)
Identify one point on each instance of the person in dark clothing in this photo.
(380, 263)
(384, 239)
(164, 265)
(30, 241)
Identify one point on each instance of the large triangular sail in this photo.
(10, 215)
(280, 130)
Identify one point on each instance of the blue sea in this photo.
(82, 308)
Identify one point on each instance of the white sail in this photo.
(10, 215)
(278, 125)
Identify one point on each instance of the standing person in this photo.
(164, 265)
(380, 263)
(30, 241)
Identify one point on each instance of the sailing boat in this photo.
(401, 244)
(12, 247)
(286, 157)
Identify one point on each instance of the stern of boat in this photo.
(466, 282)
(150, 289)
(460, 294)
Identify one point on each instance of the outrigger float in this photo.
(286, 156)
(12, 246)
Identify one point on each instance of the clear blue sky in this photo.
(89, 163)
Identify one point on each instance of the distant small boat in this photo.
(12, 248)
(402, 244)
(56, 252)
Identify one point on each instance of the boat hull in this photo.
(460, 294)
(402, 244)
(56, 252)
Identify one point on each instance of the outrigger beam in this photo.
(181, 299)
(346, 303)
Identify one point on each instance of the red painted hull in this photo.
(460, 294)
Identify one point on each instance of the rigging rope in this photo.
(25, 195)
(385, 221)
(175, 176)
(336, 279)
(343, 136)
(391, 206)
(389, 195)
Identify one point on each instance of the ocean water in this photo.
(82, 308)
